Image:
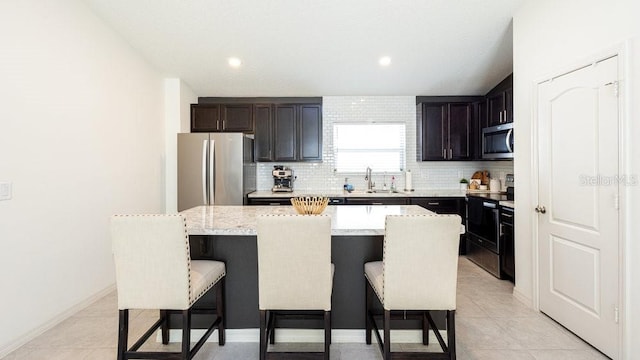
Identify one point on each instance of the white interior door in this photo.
(578, 202)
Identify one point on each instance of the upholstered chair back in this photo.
(152, 260)
(420, 262)
(294, 262)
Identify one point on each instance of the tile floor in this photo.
(491, 325)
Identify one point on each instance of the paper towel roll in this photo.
(408, 186)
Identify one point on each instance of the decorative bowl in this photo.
(310, 205)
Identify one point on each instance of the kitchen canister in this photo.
(494, 184)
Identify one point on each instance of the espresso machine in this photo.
(282, 179)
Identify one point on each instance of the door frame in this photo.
(621, 51)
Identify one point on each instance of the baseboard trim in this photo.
(305, 335)
(522, 298)
(30, 335)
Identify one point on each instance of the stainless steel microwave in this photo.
(497, 142)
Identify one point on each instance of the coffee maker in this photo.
(282, 179)
(510, 187)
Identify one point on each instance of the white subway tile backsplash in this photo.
(426, 175)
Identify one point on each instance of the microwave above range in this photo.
(497, 142)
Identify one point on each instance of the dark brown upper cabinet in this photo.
(205, 118)
(310, 132)
(500, 103)
(237, 118)
(444, 131)
(285, 130)
(263, 146)
(222, 118)
(288, 132)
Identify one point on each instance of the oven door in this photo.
(483, 223)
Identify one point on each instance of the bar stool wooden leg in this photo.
(271, 327)
(327, 333)
(186, 333)
(220, 310)
(387, 335)
(263, 334)
(425, 329)
(164, 316)
(451, 334)
(367, 309)
(123, 332)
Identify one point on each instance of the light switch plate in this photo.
(5, 191)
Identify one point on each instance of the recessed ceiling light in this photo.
(384, 61)
(234, 62)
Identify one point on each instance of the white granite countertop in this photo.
(241, 220)
(355, 194)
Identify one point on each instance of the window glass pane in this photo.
(379, 146)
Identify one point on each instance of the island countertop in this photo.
(241, 220)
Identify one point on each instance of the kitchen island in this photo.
(228, 233)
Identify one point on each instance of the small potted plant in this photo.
(463, 184)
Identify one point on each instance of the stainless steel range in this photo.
(486, 233)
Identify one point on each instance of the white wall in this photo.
(177, 99)
(548, 36)
(81, 138)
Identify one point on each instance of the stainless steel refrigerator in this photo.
(215, 169)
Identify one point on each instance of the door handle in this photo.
(540, 209)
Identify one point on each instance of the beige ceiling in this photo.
(321, 47)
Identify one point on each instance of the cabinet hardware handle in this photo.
(507, 215)
(500, 121)
(433, 203)
(376, 203)
(444, 153)
(217, 124)
(274, 204)
(450, 153)
(505, 115)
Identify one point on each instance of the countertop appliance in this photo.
(508, 182)
(282, 179)
(215, 168)
(497, 142)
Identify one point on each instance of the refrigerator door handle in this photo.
(212, 172)
(205, 195)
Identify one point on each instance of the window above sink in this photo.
(380, 146)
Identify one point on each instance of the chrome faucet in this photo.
(370, 184)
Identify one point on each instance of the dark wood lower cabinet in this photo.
(376, 201)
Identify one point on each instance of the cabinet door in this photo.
(440, 205)
(263, 145)
(269, 201)
(205, 118)
(459, 131)
(237, 118)
(508, 105)
(310, 132)
(496, 109)
(285, 133)
(433, 130)
(479, 122)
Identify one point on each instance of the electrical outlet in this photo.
(5, 191)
